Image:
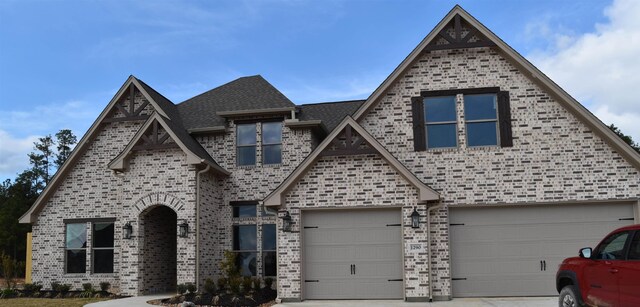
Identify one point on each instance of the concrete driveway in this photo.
(458, 302)
(140, 301)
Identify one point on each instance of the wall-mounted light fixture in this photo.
(183, 229)
(127, 230)
(415, 219)
(286, 222)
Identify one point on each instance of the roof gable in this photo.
(332, 145)
(158, 133)
(131, 84)
(447, 34)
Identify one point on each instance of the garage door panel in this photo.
(336, 240)
(496, 251)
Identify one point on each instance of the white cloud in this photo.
(13, 154)
(600, 68)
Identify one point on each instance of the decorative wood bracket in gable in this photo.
(155, 138)
(348, 143)
(458, 34)
(127, 107)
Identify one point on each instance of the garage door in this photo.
(352, 254)
(515, 251)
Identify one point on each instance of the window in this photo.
(249, 250)
(481, 118)
(612, 247)
(76, 248)
(269, 259)
(246, 142)
(272, 143)
(441, 119)
(102, 247)
(244, 210)
(487, 118)
(245, 246)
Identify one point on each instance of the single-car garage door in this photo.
(352, 254)
(516, 250)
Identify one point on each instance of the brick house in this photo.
(467, 172)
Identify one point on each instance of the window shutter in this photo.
(504, 114)
(417, 110)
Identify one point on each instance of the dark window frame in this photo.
(454, 122)
(94, 248)
(504, 115)
(254, 145)
(89, 244)
(473, 121)
(265, 144)
(259, 223)
(263, 250)
(66, 248)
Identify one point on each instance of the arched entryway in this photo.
(159, 250)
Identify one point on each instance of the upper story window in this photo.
(246, 142)
(272, 143)
(441, 121)
(487, 118)
(481, 119)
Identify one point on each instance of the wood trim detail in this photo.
(352, 145)
(458, 41)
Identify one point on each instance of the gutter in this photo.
(429, 284)
(206, 169)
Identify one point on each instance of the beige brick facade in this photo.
(555, 158)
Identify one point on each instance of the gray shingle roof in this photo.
(330, 113)
(247, 93)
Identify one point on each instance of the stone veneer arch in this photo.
(158, 198)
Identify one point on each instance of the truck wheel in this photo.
(568, 297)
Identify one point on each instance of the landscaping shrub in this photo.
(247, 282)
(191, 287)
(256, 283)
(234, 285)
(7, 293)
(87, 290)
(268, 282)
(9, 268)
(182, 288)
(31, 288)
(222, 284)
(209, 286)
(105, 286)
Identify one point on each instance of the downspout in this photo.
(206, 169)
(429, 284)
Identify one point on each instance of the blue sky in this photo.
(62, 61)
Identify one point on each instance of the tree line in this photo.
(17, 196)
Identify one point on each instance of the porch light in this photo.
(127, 230)
(415, 219)
(286, 222)
(183, 229)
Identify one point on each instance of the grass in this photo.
(48, 302)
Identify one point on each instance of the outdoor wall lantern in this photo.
(183, 229)
(127, 230)
(286, 222)
(415, 219)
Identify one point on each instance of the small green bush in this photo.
(88, 287)
(222, 283)
(182, 288)
(246, 284)
(268, 282)
(105, 286)
(191, 287)
(256, 283)
(30, 288)
(209, 286)
(7, 293)
(234, 285)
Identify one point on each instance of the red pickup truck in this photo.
(608, 275)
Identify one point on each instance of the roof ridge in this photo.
(330, 102)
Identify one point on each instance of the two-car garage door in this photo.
(352, 254)
(516, 250)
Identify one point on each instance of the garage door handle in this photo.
(394, 279)
(541, 265)
(311, 280)
(544, 262)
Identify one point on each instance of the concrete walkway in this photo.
(135, 301)
(141, 301)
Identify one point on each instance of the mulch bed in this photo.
(263, 298)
